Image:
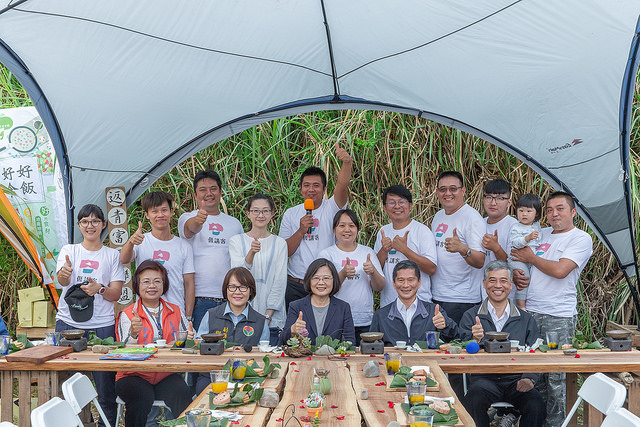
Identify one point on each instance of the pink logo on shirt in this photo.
(542, 249)
(353, 262)
(316, 222)
(442, 228)
(88, 266)
(161, 256)
(215, 229)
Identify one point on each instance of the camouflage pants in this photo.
(552, 386)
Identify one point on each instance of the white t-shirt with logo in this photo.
(503, 226)
(321, 234)
(356, 290)
(455, 280)
(103, 266)
(420, 240)
(558, 297)
(175, 255)
(210, 249)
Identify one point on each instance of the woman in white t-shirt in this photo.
(358, 268)
(97, 268)
(265, 255)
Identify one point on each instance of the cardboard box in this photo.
(31, 294)
(43, 314)
(25, 313)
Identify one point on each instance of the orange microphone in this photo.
(308, 205)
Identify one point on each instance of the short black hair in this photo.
(207, 173)
(404, 265)
(530, 200)
(260, 196)
(454, 174)
(497, 186)
(243, 276)
(155, 199)
(150, 264)
(313, 269)
(567, 196)
(351, 214)
(397, 190)
(314, 171)
(90, 209)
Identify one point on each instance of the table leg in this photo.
(572, 395)
(6, 391)
(24, 398)
(634, 396)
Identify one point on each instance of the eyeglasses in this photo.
(400, 203)
(85, 223)
(157, 282)
(453, 189)
(325, 279)
(258, 212)
(241, 288)
(490, 198)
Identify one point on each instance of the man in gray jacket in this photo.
(498, 313)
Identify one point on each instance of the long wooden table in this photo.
(46, 375)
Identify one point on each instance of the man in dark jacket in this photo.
(498, 313)
(408, 318)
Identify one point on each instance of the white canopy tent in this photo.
(128, 90)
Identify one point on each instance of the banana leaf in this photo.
(438, 419)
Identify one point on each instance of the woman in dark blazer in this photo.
(321, 313)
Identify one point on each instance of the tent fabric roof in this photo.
(129, 90)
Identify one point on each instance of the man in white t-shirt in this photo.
(497, 202)
(458, 230)
(160, 245)
(304, 247)
(404, 238)
(208, 231)
(552, 298)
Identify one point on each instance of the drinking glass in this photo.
(198, 418)
(238, 369)
(5, 342)
(219, 381)
(181, 338)
(420, 417)
(552, 340)
(52, 338)
(433, 339)
(416, 391)
(392, 362)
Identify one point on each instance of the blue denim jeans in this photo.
(105, 381)
(201, 306)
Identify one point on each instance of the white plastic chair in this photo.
(602, 393)
(55, 413)
(79, 392)
(621, 418)
(7, 424)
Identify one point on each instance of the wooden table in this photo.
(48, 380)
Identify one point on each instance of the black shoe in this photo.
(508, 420)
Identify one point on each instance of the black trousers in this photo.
(484, 391)
(139, 394)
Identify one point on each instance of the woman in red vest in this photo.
(149, 319)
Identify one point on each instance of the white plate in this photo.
(417, 368)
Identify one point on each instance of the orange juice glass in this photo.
(392, 362)
(219, 381)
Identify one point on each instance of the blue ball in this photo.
(473, 347)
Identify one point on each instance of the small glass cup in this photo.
(181, 338)
(552, 340)
(433, 339)
(5, 342)
(392, 362)
(416, 391)
(52, 338)
(420, 417)
(198, 417)
(238, 369)
(219, 381)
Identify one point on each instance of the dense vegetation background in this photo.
(387, 148)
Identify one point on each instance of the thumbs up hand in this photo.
(201, 217)
(255, 246)
(454, 244)
(66, 270)
(190, 331)
(136, 325)
(342, 154)
(400, 243)
(386, 242)
(477, 332)
(438, 319)
(349, 270)
(137, 237)
(490, 241)
(368, 266)
(298, 325)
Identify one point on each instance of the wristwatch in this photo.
(103, 289)
(468, 254)
(267, 316)
(190, 318)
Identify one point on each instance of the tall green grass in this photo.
(387, 148)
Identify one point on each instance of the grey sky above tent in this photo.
(128, 90)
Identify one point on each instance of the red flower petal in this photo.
(188, 361)
(301, 400)
(462, 358)
(282, 354)
(379, 363)
(292, 363)
(301, 406)
(381, 411)
(513, 359)
(334, 406)
(372, 355)
(309, 358)
(391, 404)
(340, 418)
(577, 356)
(532, 351)
(447, 352)
(381, 383)
(295, 370)
(279, 420)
